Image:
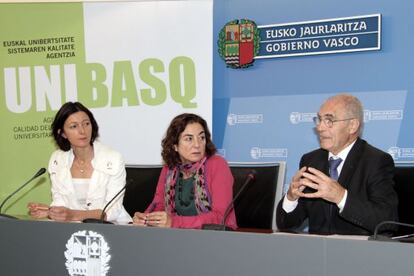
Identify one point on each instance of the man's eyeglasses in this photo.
(328, 121)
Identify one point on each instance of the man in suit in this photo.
(346, 186)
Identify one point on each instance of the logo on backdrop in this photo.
(382, 115)
(401, 153)
(241, 41)
(298, 117)
(233, 119)
(238, 43)
(87, 254)
(369, 115)
(260, 153)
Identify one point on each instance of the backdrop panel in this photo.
(135, 64)
(264, 111)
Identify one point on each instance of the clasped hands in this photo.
(58, 213)
(324, 186)
(157, 219)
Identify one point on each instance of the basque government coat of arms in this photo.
(238, 43)
(87, 254)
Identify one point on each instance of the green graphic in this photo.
(43, 65)
(37, 42)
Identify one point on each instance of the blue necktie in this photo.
(333, 167)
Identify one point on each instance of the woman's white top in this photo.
(108, 178)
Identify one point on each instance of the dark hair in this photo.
(60, 118)
(177, 126)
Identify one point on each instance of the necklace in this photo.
(81, 165)
(82, 160)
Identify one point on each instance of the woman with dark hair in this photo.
(195, 185)
(85, 174)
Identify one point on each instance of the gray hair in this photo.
(352, 106)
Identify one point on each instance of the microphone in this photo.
(403, 238)
(102, 218)
(39, 173)
(222, 226)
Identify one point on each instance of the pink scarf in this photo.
(202, 196)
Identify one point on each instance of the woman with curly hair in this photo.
(195, 185)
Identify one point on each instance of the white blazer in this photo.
(107, 179)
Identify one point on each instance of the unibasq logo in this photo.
(260, 153)
(238, 43)
(298, 117)
(87, 254)
(401, 153)
(233, 119)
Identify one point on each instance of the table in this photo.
(38, 248)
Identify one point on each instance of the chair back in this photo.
(140, 191)
(256, 205)
(404, 186)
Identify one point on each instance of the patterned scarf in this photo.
(197, 171)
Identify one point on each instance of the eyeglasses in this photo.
(328, 121)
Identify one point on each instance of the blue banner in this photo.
(350, 34)
(281, 128)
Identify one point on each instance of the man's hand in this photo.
(326, 187)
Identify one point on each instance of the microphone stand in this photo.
(95, 220)
(222, 226)
(102, 218)
(394, 239)
(4, 216)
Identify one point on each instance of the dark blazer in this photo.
(367, 174)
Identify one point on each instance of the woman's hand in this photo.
(38, 210)
(139, 219)
(158, 219)
(60, 213)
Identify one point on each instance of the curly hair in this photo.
(62, 115)
(177, 126)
